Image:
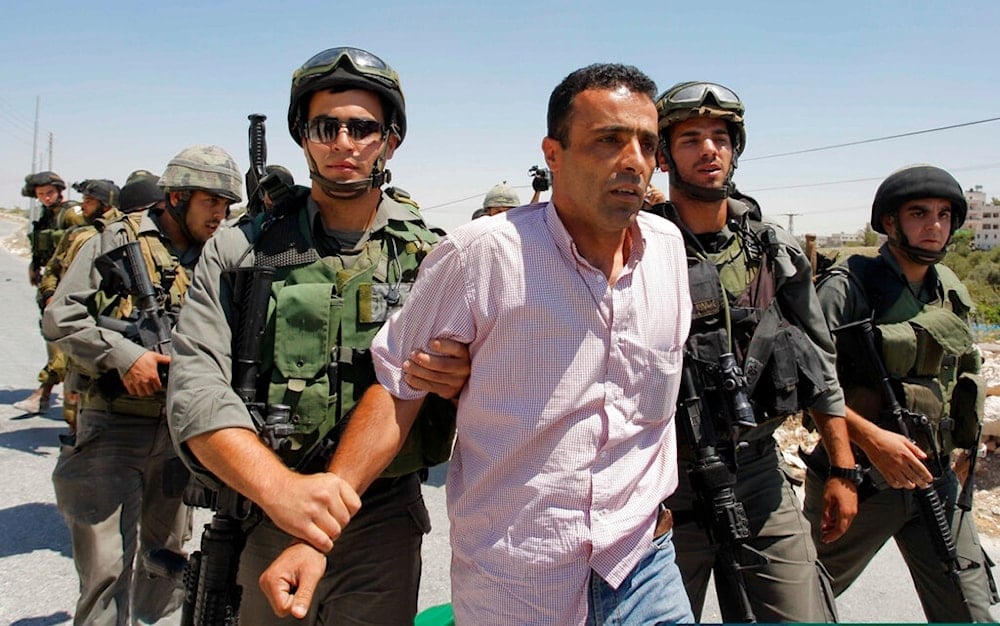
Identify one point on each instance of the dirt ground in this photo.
(986, 500)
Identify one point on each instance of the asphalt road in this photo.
(37, 580)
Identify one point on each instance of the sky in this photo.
(121, 86)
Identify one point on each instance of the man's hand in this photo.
(442, 371)
(312, 507)
(899, 460)
(34, 275)
(290, 581)
(143, 378)
(840, 505)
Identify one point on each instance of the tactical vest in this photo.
(322, 319)
(48, 230)
(736, 311)
(170, 278)
(927, 350)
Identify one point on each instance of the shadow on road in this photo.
(33, 526)
(10, 396)
(40, 441)
(60, 617)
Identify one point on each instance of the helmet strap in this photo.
(179, 213)
(920, 256)
(355, 189)
(702, 194)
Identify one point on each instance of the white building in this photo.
(983, 219)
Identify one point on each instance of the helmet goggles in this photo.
(362, 63)
(695, 95)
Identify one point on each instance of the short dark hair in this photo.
(595, 76)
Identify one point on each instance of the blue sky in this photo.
(126, 85)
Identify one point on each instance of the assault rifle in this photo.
(258, 164)
(211, 593)
(913, 425)
(124, 272)
(713, 480)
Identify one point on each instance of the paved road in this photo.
(37, 579)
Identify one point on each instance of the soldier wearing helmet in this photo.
(56, 217)
(756, 327)
(345, 251)
(920, 311)
(100, 201)
(119, 484)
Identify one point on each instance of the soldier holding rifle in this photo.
(926, 358)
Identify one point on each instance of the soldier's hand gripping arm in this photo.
(374, 435)
(442, 369)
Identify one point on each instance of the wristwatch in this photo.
(854, 474)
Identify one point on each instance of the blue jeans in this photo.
(653, 593)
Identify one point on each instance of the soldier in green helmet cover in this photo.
(119, 484)
(920, 312)
(344, 251)
(759, 351)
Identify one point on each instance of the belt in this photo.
(664, 522)
(125, 406)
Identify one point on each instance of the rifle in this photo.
(124, 272)
(258, 164)
(718, 511)
(905, 422)
(211, 594)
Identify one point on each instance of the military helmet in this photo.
(702, 99)
(912, 183)
(206, 168)
(502, 195)
(105, 191)
(40, 179)
(341, 69)
(140, 192)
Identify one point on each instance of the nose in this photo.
(635, 158)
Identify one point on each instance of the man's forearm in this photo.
(834, 433)
(374, 435)
(237, 457)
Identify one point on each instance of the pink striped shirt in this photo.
(566, 439)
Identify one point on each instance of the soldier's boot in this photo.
(37, 403)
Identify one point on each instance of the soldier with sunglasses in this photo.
(344, 253)
(759, 351)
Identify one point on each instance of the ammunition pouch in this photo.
(968, 399)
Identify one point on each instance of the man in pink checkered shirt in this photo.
(575, 313)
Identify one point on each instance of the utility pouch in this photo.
(302, 331)
(924, 397)
(967, 407)
(899, 348)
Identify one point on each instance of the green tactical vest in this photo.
(735, 310)
(321, 322)
(927, 350)
(48, 230)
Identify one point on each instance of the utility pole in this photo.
(33, 203)
(51, 139)
(791, 216)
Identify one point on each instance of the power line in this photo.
(876, 139)
(969, 168)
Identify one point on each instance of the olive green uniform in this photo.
(783, 346)
(46, 235)
(925, 349)
(119, 486)
(326, 306)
